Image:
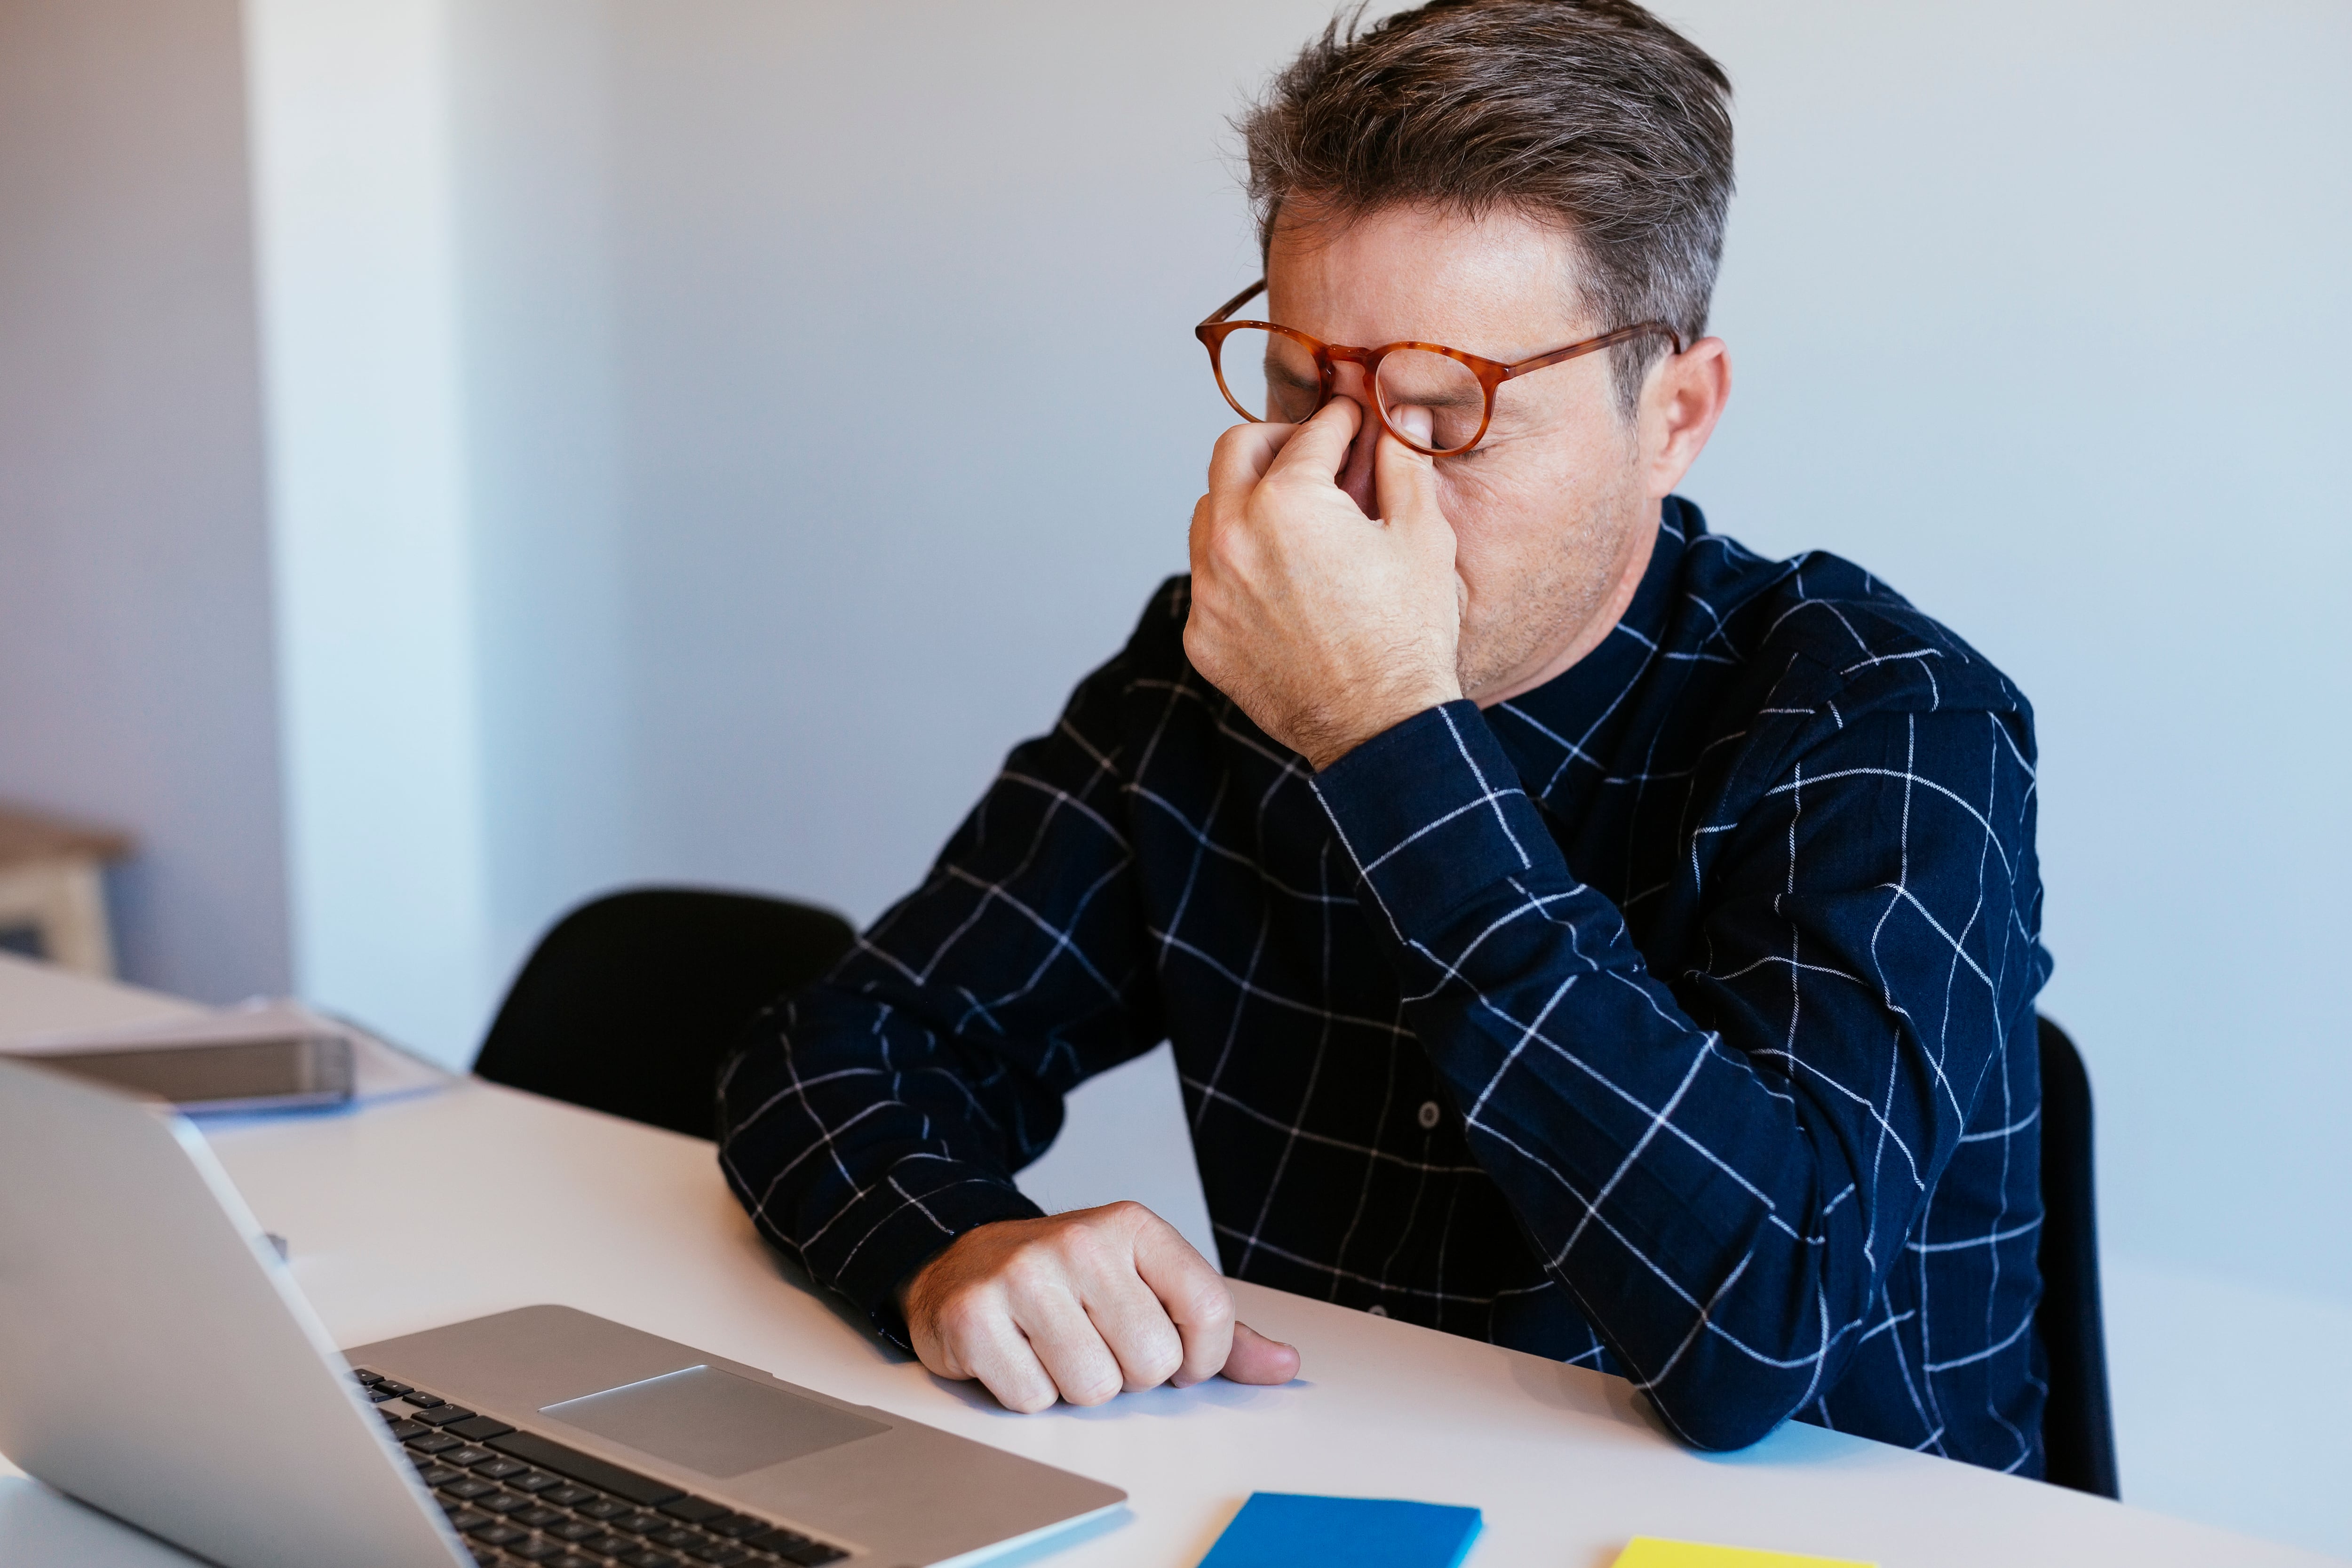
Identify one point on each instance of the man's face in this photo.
(1550, 508)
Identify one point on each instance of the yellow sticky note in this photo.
(1646, 1552)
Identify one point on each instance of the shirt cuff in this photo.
(904, 1226)
(1433, 815)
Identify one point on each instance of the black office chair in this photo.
(630, 1002)
(2078, 1433)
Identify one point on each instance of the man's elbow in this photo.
(1717, 1421)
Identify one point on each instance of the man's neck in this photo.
(1641, 543)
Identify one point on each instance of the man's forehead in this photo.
(1494, 282)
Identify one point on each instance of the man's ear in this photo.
(1681, 398)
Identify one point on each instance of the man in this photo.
(1574, 930)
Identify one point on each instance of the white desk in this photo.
(478, 1199)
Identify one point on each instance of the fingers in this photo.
(1258, 1359)
(1319, 447)
(1030, 1341)
(1080, 1307)
(1192, 1294)
(1243, 453)
(1406, 480)
(1127, 1313)
(1066, 1340)
(978, 1339)
(1137, 1330)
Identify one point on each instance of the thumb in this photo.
(1256, 1359)
(1404, 480)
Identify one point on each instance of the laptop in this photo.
(158, 1362)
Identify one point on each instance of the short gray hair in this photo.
(1590, 115)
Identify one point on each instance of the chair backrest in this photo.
(2078, 1435)
(630, 1001)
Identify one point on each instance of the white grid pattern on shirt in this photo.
(1683, 1122)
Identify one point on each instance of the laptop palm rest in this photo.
(893, 1490)
(712, 1420)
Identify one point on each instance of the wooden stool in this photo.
(50, 881)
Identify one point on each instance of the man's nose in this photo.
(1356, 474)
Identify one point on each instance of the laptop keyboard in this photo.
(517, 1498)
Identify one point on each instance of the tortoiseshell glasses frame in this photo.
(1329, 357)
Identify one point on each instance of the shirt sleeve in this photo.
(879, 1114)
(1722, 1165)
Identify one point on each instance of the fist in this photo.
(1325, 626)
(1079, 1306)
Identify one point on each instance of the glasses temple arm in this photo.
(1589, 345)
(1235, 303)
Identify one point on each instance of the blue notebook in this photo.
(1284, 1529)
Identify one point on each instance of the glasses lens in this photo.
(1413, 378)
(1272, 377)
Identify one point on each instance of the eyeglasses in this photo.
(1275, 375)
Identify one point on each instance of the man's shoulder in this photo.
(1146, 711)
(1150, 677)
(1164, 614)
(1154, 651)
(1823, 630)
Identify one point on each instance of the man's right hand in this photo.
(1080, 1307)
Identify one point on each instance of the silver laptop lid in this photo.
(157, 1361)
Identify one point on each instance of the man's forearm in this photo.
(881, 1113)
(860, 1168)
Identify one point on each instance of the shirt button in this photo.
(1377, 1311)
(1429, 1114)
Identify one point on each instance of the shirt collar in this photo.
(1557, 731)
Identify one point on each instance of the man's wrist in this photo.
(1323, 750)
(879, 1281)
(903, 1293)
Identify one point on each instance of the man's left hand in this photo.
(1325, 626)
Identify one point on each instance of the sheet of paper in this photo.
(1646, 1552)
(1284, 1529)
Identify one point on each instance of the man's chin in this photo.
(1495, 673)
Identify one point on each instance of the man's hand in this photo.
(1325, 626)
(1079, 1306)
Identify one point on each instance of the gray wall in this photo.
(135, 666)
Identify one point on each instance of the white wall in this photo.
(353, 171)
(533, 115)
(135, 662)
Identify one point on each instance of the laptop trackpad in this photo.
(713, 1421)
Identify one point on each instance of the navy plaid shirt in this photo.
(1674, 1018)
